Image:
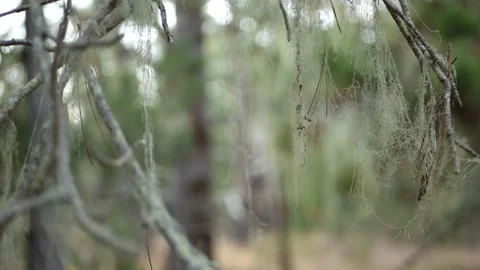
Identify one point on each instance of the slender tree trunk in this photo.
(284, 253)
(191, 204)
(41, 251)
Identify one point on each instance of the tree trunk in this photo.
(191, 205)
(41, 251)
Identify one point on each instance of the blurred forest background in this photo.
(219, 104)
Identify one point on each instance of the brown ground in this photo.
(319, 251)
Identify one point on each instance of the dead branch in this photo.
(467, 148)
(19, 95)
(85, 44)
(93, 43)
(153, 208)
(25, 7)
(441, 66)
(100, 233)
(285, 20)
(109, 162)
(90, 36)
(54, 195)
(336, 18)
(104, 21)
(15, 42)
(166, 28)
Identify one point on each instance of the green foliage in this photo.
(456, 21)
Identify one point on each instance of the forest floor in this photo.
(321, 251)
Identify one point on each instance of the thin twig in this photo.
(336, 18)
(285, 20)
(467, 148)
(25, 7)
(15, 42)
(318, 83)
(166, 28)
(451, 75)
(96, 119)
(82, 128)
(148, 248)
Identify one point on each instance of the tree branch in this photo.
(106, 20)
(166, 28)
(100, 233)
(441, 66)
(25, 7)
(285, 20)
(109, 162)
(153, 208)
(54, 195)
(15, 42)
(90, 35)
(19, 95)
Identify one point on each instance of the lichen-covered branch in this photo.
(25, 7)
(19, 95)
(109, 162)
(51, 196)
(104, 21)
(89, 38)
(153, 208)
(441, 66)
(100, 233)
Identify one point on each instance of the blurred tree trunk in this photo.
(191, 205)
(41, 251)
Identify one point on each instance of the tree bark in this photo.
(41, 251)
(191, 205)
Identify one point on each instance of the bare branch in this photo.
(60, 144)
(79, 45)
(109, 162)
(153, 208)
(60, 141)
(285, 20)
(100, 233)
(25, 7)
(163, 13)
(55, 195)
(336, 18)
(19, 95)
(106, 20)
(15, 42)
(467, 148)
(93, 43)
